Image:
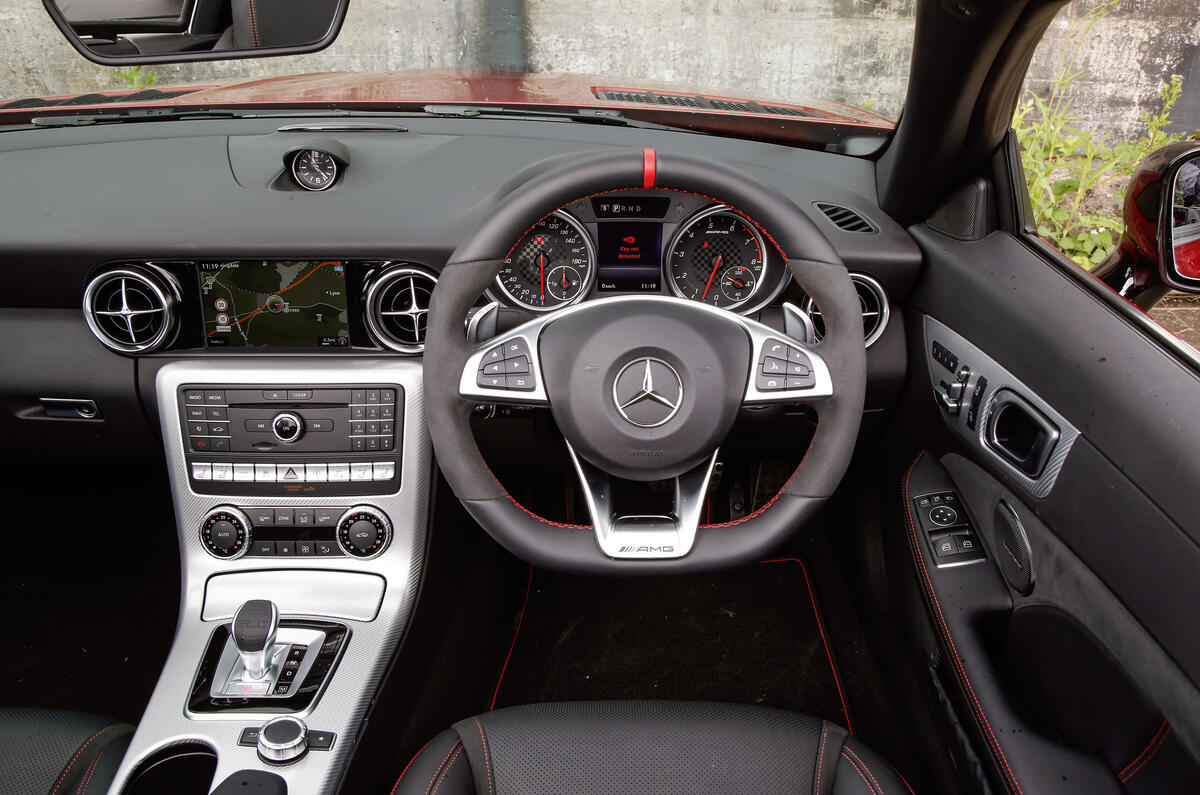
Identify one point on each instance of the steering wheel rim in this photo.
(577, 548)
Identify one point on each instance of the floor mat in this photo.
(750, 635)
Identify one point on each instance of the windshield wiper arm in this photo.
(612, 118)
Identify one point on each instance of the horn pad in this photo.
(644, 388)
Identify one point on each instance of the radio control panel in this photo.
(292, 440)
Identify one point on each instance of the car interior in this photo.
(424, 450)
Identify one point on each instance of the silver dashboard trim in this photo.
(354, 596)
(367, 653)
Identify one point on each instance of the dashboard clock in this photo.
(314, 170)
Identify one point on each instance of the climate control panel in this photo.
(230, 532)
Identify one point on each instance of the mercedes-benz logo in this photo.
(647, 392)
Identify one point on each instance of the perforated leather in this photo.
(615, 747)
(58, 752)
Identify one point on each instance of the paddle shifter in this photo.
(254, 629)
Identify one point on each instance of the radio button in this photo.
(316, 473)
(194, 396)
(220, 443)
(373, 412)
(264, 473)
(358, 443)
(320, 426)
(218, 429)
(197, 428)
(358, 412)
(222, 471)
(372, 395)
(214, 396)
(202, 471)
(287, 427)
(385, 443)
(387, 412)
(387, 427)
(372, 444)
(339, 472)
(201, 444)
(258, 426)
(361, 472)
(196, 412)
(358, 396)
(299, 394)
(243, 472)
(358, 428)
(217, 413)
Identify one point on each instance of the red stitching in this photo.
(91, 771)
(960, 669)
(820, 628)
(71, 764)
(757, 225)
(1161, 742)
(903, 780)
(457, 745)
(513, 645)
(849, 750)
(870, 789)
(1149, 745)
(446, 772)
(254, 24)
(821, 755)
(396, 786)
(487, 762)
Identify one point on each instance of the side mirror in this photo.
(1160, 247)
(124, 32)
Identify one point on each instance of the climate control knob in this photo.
(287, 427)
(226, 532)
(364, 532)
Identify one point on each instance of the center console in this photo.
(301, 491)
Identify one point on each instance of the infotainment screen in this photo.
(274, 303)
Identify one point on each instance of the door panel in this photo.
(1110, 515)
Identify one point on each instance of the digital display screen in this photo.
(274, 303)
(635, 207)
(629, 256)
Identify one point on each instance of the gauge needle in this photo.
(542, 275)
(564, 280)
(716, 267)
(735, 281)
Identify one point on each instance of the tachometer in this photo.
(552, 266)
(716, 257)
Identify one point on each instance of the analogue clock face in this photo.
(314, 169)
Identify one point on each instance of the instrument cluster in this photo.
(652, 242)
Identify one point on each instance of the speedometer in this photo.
(716, 257)
(553, 265)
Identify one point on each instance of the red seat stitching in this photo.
(87, 774)
(821, 756)
(1162, 726)
(870, 789)
(486, 759)
(446, 772)
(71, 764)
(960, 669)
(1161, 742)
(903, 780)
(862, 762)
(457, 744)
(396, 786)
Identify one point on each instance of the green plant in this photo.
(1075, 177)
(136, 79)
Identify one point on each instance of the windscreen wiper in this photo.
(613, 118)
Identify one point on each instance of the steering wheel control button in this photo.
(287, 427)
(943, 515)
(521, 383)
(508, 367)
(516, 365)
(770, 383)
(364, 532)
(226, 532)
(283, 740)
(647, 392)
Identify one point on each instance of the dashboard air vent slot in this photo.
(700, 102)
(131, 309)
(398, 307)
(873, 300)
(844, 218)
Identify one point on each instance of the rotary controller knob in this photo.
(226, 532)
(364, 532)
(282, 740)
(287, 427)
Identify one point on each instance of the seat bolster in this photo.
(861, 771)
(440, 767)
(57, 751)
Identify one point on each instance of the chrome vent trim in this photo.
(398, 307)
(873, 300)
(131, 309)
(844, 218)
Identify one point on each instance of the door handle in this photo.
(1019, 433)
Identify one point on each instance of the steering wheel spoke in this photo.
(643, 537)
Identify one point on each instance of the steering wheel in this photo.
(644, 387)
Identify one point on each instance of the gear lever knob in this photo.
(254, 629)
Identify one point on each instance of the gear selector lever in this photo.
(254, 629)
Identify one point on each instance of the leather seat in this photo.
(59, 752)
(643, 747)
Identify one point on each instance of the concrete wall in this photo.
(855, 51)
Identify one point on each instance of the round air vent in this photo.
(398, 306)
(131, 309)
(874, 302)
